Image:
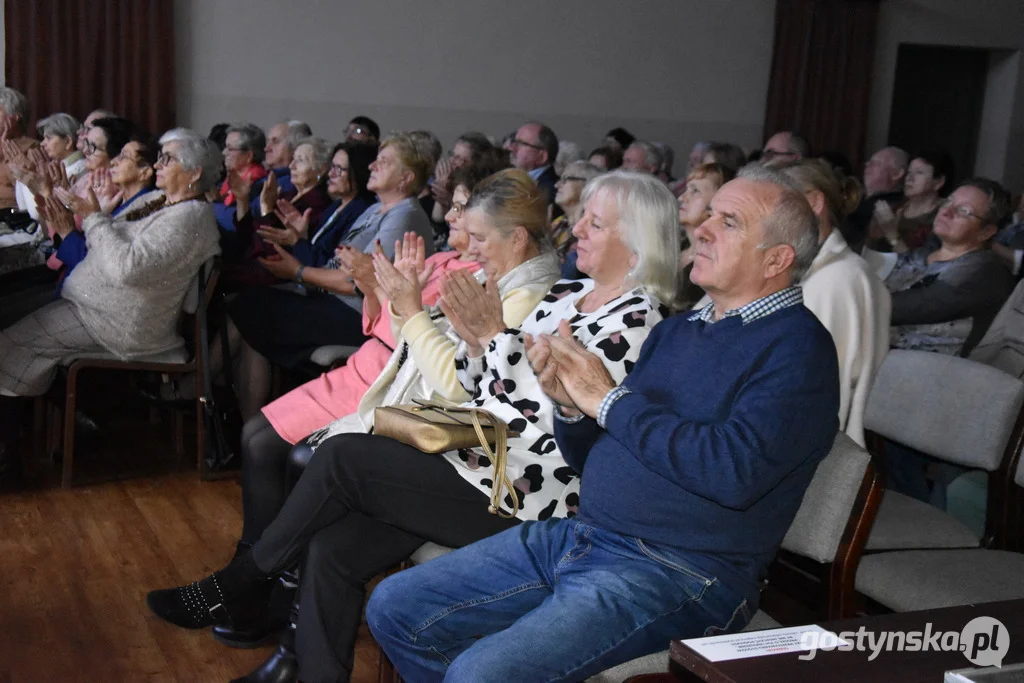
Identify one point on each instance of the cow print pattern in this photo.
(502, 382)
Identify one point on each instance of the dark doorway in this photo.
(937, 101)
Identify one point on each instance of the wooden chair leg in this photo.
(68, 449)
(386, 670)
(178, 425)
(39, 426)
(200, 439)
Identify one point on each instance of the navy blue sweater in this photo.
(713, 450)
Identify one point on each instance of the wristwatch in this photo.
(298, 275)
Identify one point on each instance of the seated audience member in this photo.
(58, 144)
(363, 129)
(726, 154)
(842, 291)
(785, 146)
(568, 152)
(534, 149)
(606, 158)
(312, 240)
(642, 156)
(244, 147)
(568, 197)
(469, 148)
(696, 157)
(929, 178)
(284, 327)
(282, 139)
(695, 208)
(668, 157)
(268, 437)
(131, 176)
(125, 297)
(307, 172)
(87, 124)
(431, 147)
(618, 138)
(13, 120)
(445, 499)
(945, 296)
(884, 175)
(732, 454)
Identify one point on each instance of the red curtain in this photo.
(821, 72)
(78, 55)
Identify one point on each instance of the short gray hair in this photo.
(62, 125)
(668, 157)
(297, 131)
(251, 138)
(652, 155)
(178, 134)
(321, 152)
(199, 152)
(14, 103)
(568, 153)
(648, 225)
(791, 220)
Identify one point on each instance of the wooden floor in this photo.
(76, 568)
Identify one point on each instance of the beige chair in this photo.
(829, 528)
(177, 362)
(911, 580)
(955, 410)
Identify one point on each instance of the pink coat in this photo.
(337, 393)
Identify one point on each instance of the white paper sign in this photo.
(757, 643)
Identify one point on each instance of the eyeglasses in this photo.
(458, 208)
(515, 142)
(340, 170)
(769, 154)
(126, 157)
(961, 210)
(229, 148)
(166, 159)
(568, 178)
(90, 148)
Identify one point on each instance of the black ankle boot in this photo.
(282, 666)
(259, 633)
(236, 595)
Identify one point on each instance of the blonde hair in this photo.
(718, 174)
(648, 226)
(413, 157)
(842, 193)
(511, 199)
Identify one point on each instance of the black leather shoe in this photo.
(281, 667)
(262, 631)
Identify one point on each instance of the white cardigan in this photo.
(854, 305)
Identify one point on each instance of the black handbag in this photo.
(222, 419)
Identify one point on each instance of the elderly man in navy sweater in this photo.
(692, 471)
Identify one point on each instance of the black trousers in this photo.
(270, 468)
(363, 504)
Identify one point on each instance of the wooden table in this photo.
(853, 666)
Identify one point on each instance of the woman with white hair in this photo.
(125, 297)
(366, 502)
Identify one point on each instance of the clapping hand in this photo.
(108, 194)
(283, 265)
(239, 186)
(270, 194)
(583, 376)
(57, 217)
(81, 206)
(296, 225)
(474, 311)
(401, 287)
(57, 175)
(538, 354)
(360, 268)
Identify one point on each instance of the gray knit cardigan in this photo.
(129, 289)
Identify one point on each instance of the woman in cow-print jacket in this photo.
(502, 383)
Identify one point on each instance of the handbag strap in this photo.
(499, 459)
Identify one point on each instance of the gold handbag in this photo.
(435, 428)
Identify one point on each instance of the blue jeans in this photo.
(546, 601)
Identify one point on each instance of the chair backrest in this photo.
(1002, 346)
(190, 303)
(948, 407)
(829, 502)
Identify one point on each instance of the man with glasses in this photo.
(534, 149)
(785, 146)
